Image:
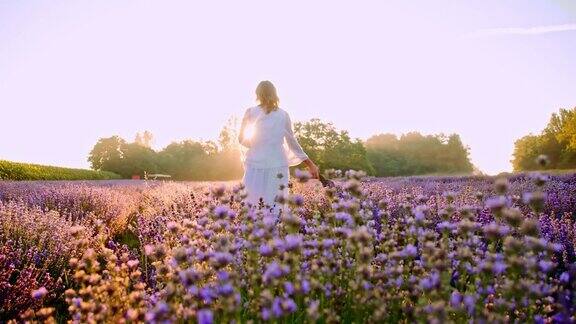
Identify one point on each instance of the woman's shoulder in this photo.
(283, 112)
(250, 111)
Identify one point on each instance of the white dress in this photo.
(271, 149)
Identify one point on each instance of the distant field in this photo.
(26, 171)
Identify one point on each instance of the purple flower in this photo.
(327, 243)
(269, 221)
(367, 286)
(490, 290)
(445, 226)
(496, 203)
(293, 242)
(158, 311)
(221, 211)
(223, 275)
(561, 317)
(39, 293)
(221, 259)
(419, 215)
(305, 286)
(302, 175)
(499, 267)
(265, 314)
(288, 288)
(344, 217)
(207, 234)
(277, 307)
(546, 266)
(188, 277)
(278, 244)
(265, 250)
(534, 197)
(207, 294)
(430, 282)
(494, 231)
(289, 305)
(77, 301)
(565, 277)
(557, 247)
(273, 271)
(297, 200)
(410, 251)
(226, 289)
(470, 303)
(193, 290)
(205, 316)
(455, 299)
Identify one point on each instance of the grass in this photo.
(27, 171)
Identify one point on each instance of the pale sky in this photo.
(74, 71)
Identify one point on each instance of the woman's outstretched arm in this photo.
(297, 150)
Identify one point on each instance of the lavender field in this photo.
(422, 249)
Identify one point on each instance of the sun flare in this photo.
(249, 131)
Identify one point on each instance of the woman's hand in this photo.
(313, 169)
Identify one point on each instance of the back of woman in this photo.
(267, 142)
(272, 148)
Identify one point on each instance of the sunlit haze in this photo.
(74, 71)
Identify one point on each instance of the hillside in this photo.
(26, 171)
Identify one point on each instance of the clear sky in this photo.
(74, 71)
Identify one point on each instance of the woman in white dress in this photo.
(267, 133)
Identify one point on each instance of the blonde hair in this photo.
(267, 96)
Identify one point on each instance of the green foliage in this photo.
(330, 148)
(138, 159)
(185, 160)
(107, 154)
(190, 160)
(26, 171)
(414, 153)
(557, 141)
(114, 154)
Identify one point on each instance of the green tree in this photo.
(138, 160)
(457, 155)
(107, 154)
(193, 160)
(557, 141)
(114, 154)
(330, 148)
(383, 152)
(526, 150)
(414, 153)
(183, 160)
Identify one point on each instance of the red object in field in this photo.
(135, 177)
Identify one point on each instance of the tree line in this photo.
(330, 148)
(557, 141)
(414, 154)
(182, 160)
